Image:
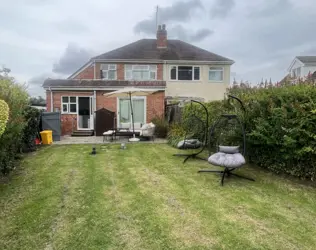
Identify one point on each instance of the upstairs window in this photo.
(216, 74)
(108, 71)
(69, 104)
(141, 72)
(185, 73)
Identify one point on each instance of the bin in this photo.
(47, 136)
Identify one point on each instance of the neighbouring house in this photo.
(175, 69)
(301, 67)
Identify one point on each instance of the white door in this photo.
(124, 112)
(91, 113)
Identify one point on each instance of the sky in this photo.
(53, 38)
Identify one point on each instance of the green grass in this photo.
(144, 198)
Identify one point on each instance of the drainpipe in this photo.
(94, 108)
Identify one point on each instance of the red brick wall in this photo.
(87, 73)
(109, 103)
(121, 71)
(48, 101)
(160, 72)
(155, 105)
(68, 121)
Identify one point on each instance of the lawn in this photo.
(144, 198)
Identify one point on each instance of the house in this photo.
(175, 69)
(302, 66)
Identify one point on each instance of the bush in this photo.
(30, 131)
(16, 97)
(176, 133)
(161, 129)
(279, 122)
(4, 116)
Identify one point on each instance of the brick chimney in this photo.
(162, 37)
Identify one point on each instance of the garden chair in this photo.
(227, 146)
(194, 143)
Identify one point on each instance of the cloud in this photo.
(176, 16)
(187, 35)
(201, 35)
(72, 59)
(221, 8)
(180, 11)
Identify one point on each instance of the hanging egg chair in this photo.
(192, 139)
(227, 144)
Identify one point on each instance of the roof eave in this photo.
(227, 62)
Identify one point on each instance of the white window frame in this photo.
(193, 66)
(133, 67)
(68, 105)
(217, 69)
(107, 68)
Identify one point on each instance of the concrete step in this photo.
(83, 133)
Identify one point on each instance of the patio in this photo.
(99, 140)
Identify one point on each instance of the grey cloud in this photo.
(186, 34)
(180, 11)
(34, 84)
(221, 8)
(72, 59)
(201, 35)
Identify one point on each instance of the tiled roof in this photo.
(72, 83)
(307, 59)
(146, 49)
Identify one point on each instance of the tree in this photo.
(38, 101)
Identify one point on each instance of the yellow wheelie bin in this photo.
(47, 136)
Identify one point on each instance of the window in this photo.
(185, 73)
(69, 104)
(140, 72)
(108, 71)
(216, 74)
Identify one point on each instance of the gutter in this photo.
(165, 61)
(103, 89)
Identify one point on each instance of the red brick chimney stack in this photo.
(162, 37)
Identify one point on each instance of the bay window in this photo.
(108, 71)
(69, 104)
(185, 73)
(216, 74)
(140, 72)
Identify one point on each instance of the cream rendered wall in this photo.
(307, 69)
(204, 88)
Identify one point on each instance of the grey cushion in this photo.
(227, 160)
(229, 149)
(189, 143)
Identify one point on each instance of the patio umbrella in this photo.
(129, 92)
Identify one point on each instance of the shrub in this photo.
(161, 129)
(16, 97)
(176, 133)
(4, 116)
(279, 122)
(30, 131)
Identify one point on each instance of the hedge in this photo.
(16, 97)
(4, 116)
(280, 127)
